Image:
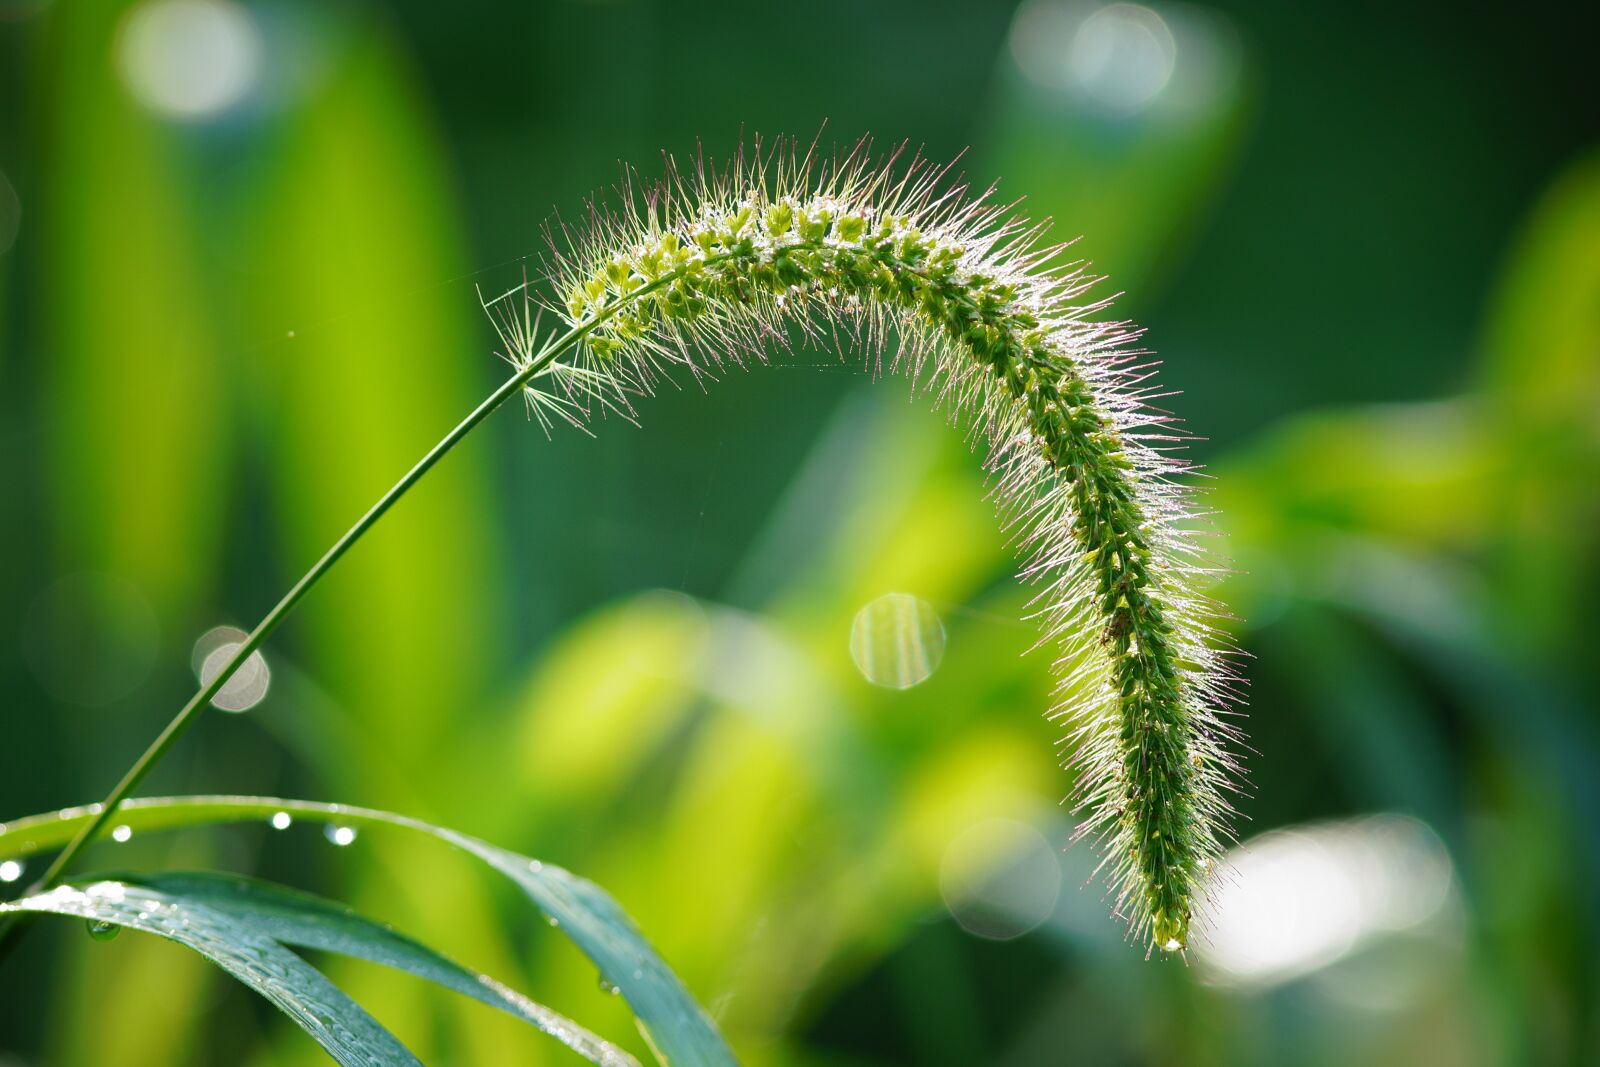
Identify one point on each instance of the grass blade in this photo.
(674, 1024)
(299, 990)
(304, 920)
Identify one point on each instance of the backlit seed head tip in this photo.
(1169, 932)
(902, 267)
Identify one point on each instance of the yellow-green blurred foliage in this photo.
(226, 332)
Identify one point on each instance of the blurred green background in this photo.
(240, 244)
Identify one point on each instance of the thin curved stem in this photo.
(175, 729)
(102, 812)
(535, 362)
(182, 721)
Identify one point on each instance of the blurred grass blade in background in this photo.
(140, 432)
(350, 239)
(1540, 382)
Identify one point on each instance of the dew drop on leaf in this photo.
(10, 871)
(339, 835)
(101, 930)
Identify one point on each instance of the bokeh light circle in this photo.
(249, 684)
(897, 641)
(90, 638)
(190, 59)
(1000, 878)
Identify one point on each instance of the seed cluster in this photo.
(712, 270)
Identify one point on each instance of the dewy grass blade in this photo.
(303, 920)
(581, 910)
(299, 990)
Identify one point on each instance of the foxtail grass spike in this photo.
(709, 268)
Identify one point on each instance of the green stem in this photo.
(181, 722)
(191, 711)
(537, 361)
(175, 729)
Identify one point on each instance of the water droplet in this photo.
(552, 920)
(897, 641)
(608, 987)
(339, 835)
(122, 833)
(535, 866)
(281, 821)
(1172, 945)
(10, 871)
(101, 930)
